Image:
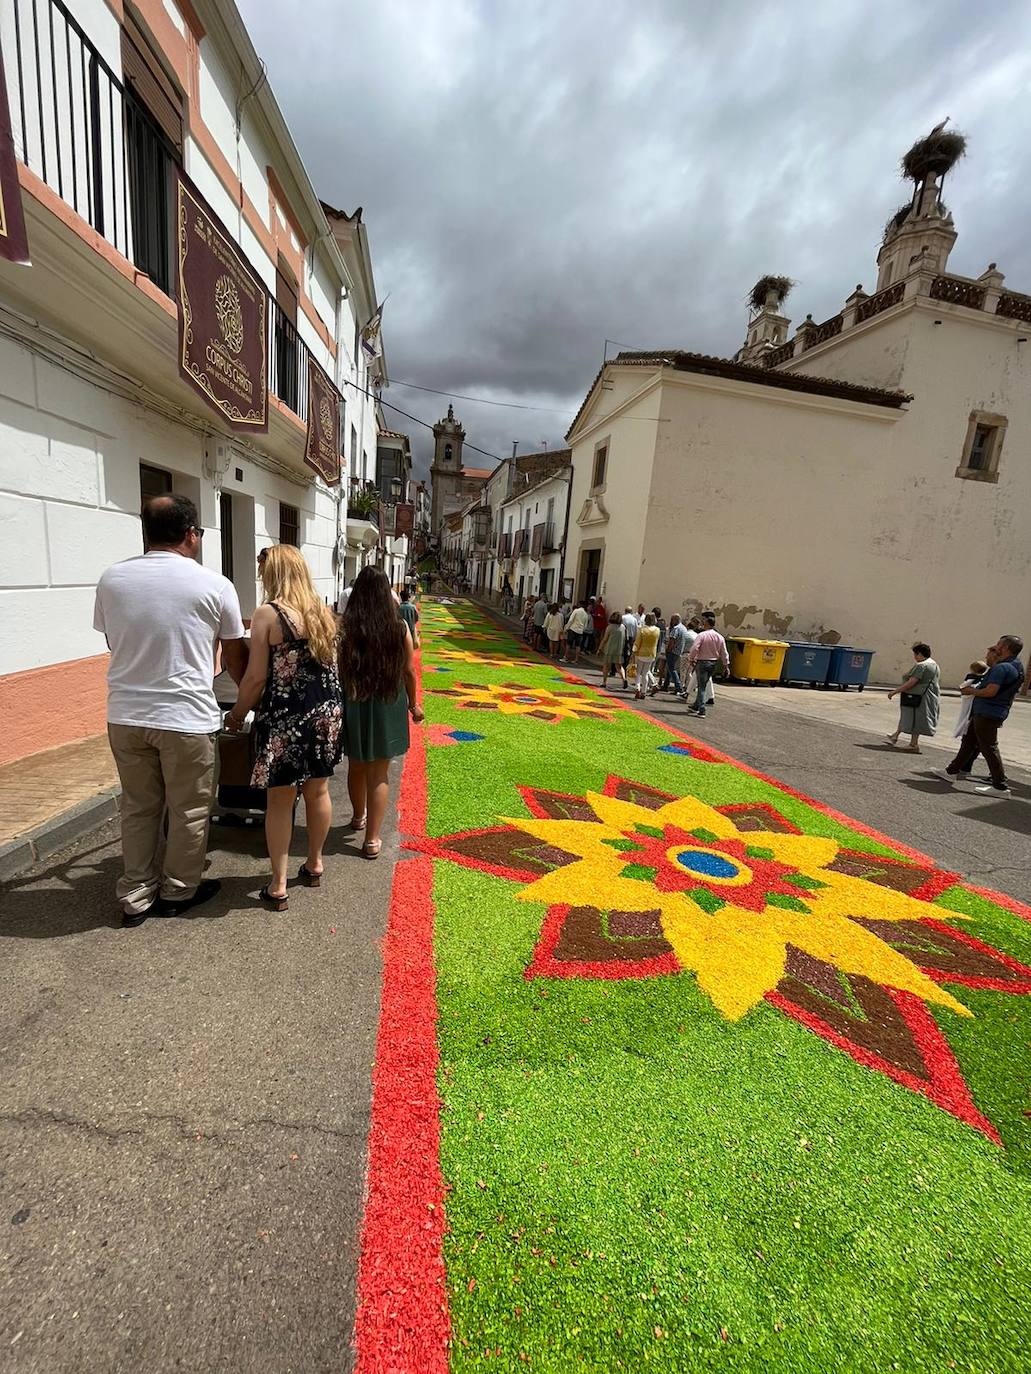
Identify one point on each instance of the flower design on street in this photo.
(481, 660)
(518, 699)
(639, 883)
(730, 906)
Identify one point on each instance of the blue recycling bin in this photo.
(806, 662)
(849, 667)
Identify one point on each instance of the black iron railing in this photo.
(83, 132)
(288, 362)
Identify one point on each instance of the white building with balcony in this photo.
(532, 525)
(108, 103)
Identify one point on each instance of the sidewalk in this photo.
(50, 799)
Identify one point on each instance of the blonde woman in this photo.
(292, 679)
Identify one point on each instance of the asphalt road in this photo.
(183, 1116)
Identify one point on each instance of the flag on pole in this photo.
(372, 344)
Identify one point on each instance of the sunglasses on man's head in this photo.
(198, 530)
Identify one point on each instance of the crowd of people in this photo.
(640, 648)
(315, 687)
(637, 647)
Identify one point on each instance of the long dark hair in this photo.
(372, 641)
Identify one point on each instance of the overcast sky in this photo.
(540, 175)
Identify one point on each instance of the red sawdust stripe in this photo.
(402, 1325)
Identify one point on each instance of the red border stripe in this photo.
(402, 1323)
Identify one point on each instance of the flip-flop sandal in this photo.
(275, 903)
(308, 878)
(371, 848)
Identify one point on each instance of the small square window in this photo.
(983, 447)
(601, 458)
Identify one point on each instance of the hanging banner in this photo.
(14, 242)
(404, 520)
(223, 317)
(322, 450)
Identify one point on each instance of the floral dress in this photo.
(297, 724)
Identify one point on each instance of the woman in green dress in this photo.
(920, 699)
(379, 689)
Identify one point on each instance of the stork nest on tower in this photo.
(933, 155)
(780, 286)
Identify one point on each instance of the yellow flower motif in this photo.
(484, 660)
(517, 699)
(731, 902)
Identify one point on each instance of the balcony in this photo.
(98, 177)
(87, 137)
(363, 517)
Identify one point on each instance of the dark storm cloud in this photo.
(537, 177)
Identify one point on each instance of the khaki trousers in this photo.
(162, 771)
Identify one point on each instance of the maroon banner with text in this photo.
(322, 451)
(404, 520)
(14, 241)
(223, 317)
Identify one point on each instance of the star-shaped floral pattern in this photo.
(638, 883)
(518, 699)
(481, 660)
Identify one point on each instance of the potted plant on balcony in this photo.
(363, 505)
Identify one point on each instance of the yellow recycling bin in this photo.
(756, 660)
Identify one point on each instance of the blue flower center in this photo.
(707, 864)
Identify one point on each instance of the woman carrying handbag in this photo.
(919, 700)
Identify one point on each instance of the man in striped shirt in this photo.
(708, 649)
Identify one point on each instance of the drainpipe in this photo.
(565, 532)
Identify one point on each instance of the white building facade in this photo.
(863, 482)
(533, 528)
(108, 103)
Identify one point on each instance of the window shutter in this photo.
(286, 291)
(145, 77)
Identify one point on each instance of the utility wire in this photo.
(414, 418)
(478, 400)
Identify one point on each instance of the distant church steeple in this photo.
(446, 471)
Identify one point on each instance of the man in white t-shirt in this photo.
(164, 614)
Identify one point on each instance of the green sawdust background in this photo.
(637, 1183)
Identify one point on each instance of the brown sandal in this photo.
(371, 848)
(276, 903)
(308, 878)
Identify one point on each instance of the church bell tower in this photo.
(446, 472)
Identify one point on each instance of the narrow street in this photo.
(186, 1109)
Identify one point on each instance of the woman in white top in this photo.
(554, 628)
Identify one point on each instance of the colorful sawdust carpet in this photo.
(701, 1070)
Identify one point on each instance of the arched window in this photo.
(447, 453)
